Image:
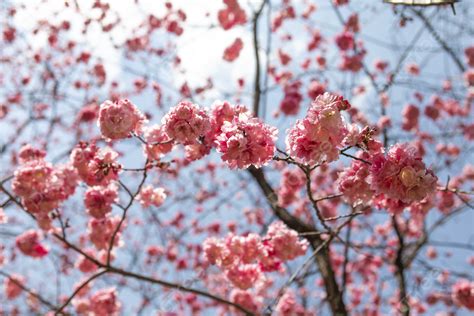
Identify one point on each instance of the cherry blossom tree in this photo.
(231, 157)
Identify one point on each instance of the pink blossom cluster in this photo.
(101, 231)
(245, 258)
(118, 119)
(186, 123)
(463, 294)
(95, 166)
(12, 286)
(315, 89)
(289, 306)
(151, 196)
(102, 302)
(410, 114)
(292, 181)
(345, 41)
(41, 186)
(246, 141)
(318, 137)
(158, 142)
(232, 52)
(290, 105)
(29, 243)
(353, 182)
(232, 15)
(401, 175)
(98, 200)
(248, 300)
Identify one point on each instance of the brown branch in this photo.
(400, 271)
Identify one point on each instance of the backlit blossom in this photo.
(105, 302)
(151, 196)
(102, 230)
(118, 119)
(353, 182)
(285, 242)
(98, 200)
(319, 136)
(158, 142)
(95, 166)
(401, 175)
(12, 286)
(186, 123)
(246, 141)
(410, 117)
(232, 15)
(232, 52)
(463, 294)
(29, 243)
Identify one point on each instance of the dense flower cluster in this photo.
(401, 175)
(246, 141)
(319, 136)
(29, 243)
(186, 123)
(98, 200)
(151, 196)
(245, 258)
(463, 294)
(353, 182)
(41, 186)
(95, 166)
(158, 142)
(102, 302)
(101, 231)
(118, 119)
(232, 15)
(289, 306)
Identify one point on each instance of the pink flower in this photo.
(319, 136)
(353, 183)
(84, 264)
(248, 248)
(413, 69)
(232, 52)
(118, 119)
(158, 142)
(285, 242)
(232, 15)
(288, 306)
(291, 182)
(290, 104)
(29, 153)
(29, 244)
(95, 166)
(244, 276)
(98, 200)
(105, 302)
(345, 40)
(402, 175)
(248, 300)
(410, 117)
(469, 52)
(150, 196)
(12, 286)
(101, 231)
(186, 123)
(463, 294)
(315, 89)
(246, 141)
